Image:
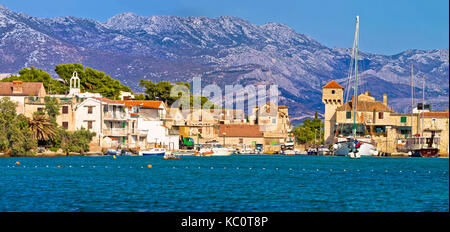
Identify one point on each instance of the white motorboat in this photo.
(288, 152)
(153, 151)
(354, 147)
(222, 151)
(246, 151)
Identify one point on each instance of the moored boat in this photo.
(171, 156)
(112, 152)
(420, 146)
(204, 152)
(222, 151)
(153, 151)
(288, 152)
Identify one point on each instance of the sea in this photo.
(247, 183)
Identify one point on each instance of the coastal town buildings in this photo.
(19, 91)
(377, 120)
(143, 124)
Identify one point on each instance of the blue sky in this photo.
(386, 27)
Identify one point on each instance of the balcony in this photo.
(115, 116)
(142, 132)
(115, 131)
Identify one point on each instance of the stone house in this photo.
(18, 91)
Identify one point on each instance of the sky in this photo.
(386, 26)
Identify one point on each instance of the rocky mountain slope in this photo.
(223, 50)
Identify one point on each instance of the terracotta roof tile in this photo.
(28, 88)
(332, 85)
(236, 130)
(436, 114)
(142, 103)
(365, 106)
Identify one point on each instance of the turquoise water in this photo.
(233, 183)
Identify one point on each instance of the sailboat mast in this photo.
(412, 97)
(355, 95)
(423, 99)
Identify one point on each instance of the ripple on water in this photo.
(235, 183)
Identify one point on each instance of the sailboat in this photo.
(419, 145)
(355, 147)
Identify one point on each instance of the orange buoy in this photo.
(18, 163)
(149, 166)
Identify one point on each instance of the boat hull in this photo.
(152, 153)
(428, 152)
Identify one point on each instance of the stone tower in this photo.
(332, 97)
(74, 84)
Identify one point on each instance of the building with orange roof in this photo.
(379, 121)
(18, 91)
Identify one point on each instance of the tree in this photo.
(52, 107)
(310, 130)
(77, 141)
(42, 128)
(16, 137)
(92, 80)
(161, 91)
(32, 74)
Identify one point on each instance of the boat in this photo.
(419, 145)
(118, 152)
(353, 146)
(171, 156)
(204, 152)
(153, 151)
(222, 151)
(288, 152)
(112, 152)
(246, 151)
(359, 147)
(312, 151)
(323, 151)
(184, 153)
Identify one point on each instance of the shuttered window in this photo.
(349, 115)
(403, 119)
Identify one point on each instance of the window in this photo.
(434, 122)
(332, 91)
(241, 140)
(90, 109)
(65, 125)
(65, 109)
(348, 115)
(403, 119)
(40, 109)
(380, 115)
(89, 125)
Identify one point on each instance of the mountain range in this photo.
(223, 50)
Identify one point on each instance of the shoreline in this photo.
(58, 154)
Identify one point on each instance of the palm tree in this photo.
(41, 127)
